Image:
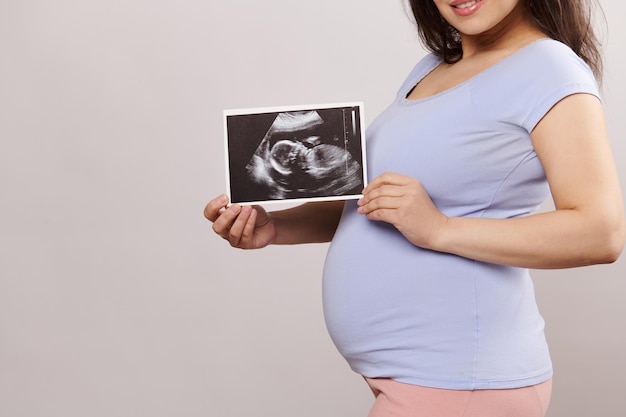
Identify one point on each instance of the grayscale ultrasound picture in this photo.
(297, 154)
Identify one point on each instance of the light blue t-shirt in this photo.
(435, 319)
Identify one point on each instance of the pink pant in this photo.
(396, 399)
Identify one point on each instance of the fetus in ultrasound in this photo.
(302, 156)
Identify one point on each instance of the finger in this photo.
(261, 216)
(381, 215)
(247, 235)
(380, 203)
(213, 208)
(235, 232)
(224, 222)
(387, 178)
(381, 191)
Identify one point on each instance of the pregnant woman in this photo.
(426, 286)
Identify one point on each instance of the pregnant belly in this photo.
(382, 294)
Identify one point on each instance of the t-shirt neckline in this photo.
(437, 61)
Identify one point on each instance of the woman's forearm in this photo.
(308, 223)
(558, 239)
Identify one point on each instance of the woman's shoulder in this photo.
(523, 87)
(542, 66)
(550, 59)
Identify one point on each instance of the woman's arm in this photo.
(308, 223)
(251, 227)
(587, 227)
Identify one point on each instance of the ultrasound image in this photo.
(303, 154)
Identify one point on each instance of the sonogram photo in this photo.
(295, 153)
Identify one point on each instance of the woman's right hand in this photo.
(244, 227)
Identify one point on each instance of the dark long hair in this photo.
(567, 21)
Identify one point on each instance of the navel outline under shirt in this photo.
(434, 319)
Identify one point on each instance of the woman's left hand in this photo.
(403, 202)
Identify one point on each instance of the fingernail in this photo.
(234, 208)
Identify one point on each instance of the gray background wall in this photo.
(115, 297)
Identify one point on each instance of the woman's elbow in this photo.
(613, 240)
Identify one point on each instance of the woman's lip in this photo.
(467, 10)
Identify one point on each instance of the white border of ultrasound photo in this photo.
(302, 165)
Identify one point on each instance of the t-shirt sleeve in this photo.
(526, 88)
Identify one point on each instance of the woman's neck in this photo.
(512, 33)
